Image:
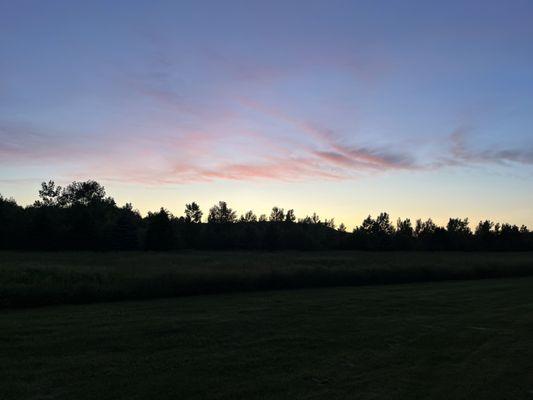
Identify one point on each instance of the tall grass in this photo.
(35, 279)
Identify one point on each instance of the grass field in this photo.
(447, 340)
(33, 279)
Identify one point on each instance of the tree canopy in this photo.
(81, 216)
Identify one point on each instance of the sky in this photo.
(347, 108)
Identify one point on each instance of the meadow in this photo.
(46, 278)
(437, 340)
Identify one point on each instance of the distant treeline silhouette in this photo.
(81, 217)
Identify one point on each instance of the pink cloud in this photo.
(238, 154)
(276, 169)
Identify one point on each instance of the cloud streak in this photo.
(463, 154)
(310, 152)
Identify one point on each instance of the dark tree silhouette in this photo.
(159, 233)
(83, 193)
(313, 219)
(221, 214)
(484, 228)
(459, 233)
(375, 233)
(277, 215)
(13, 224)
(125, 234)
(249, 216)
(193, 213)
(81, 217)
(290, 216)
(49, 194)
(330, 223)
(404, 234)
(404, 227)
(426, 228)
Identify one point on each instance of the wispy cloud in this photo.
(332, 151)
(237, 153)
(23, 143)
(462, 153)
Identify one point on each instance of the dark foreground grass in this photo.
(448, 340)
(33, 279)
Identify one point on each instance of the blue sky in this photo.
(420, 108)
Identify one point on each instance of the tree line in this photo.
(81, 216)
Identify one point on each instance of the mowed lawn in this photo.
(448, 340)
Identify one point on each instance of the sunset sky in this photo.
(347, 108)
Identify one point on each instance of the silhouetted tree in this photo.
(249, 216)
(81, 217)
(426, 228)
(313, 219)
(290, 216)
(277, 214)
(329, 223)
(221, 214)
(305, 220)
(193, 213)
(458, 234)
(125, 232)
(484, 228)
(509, 237)
(404, 234)
(458, 226)
(159, 233)
(49, 194)
(374, 233)
(425, 234)
(13, 224)
(83, 193)
(404, 227)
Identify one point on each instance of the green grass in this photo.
(447, 340)
(33, 279)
